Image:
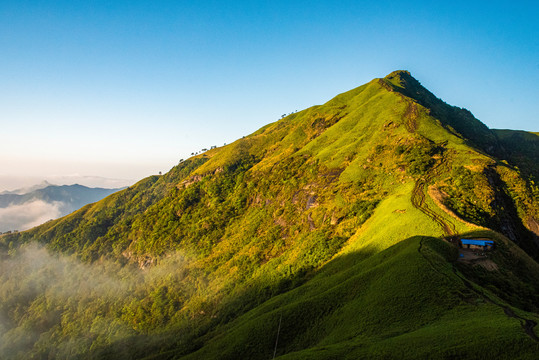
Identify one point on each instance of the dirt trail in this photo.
(419, 197)
(527, 325)
(418, 201)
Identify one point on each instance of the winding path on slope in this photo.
(527, 325)
(418, 201)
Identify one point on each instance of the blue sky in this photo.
(127, 88)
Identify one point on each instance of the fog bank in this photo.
(27, 215)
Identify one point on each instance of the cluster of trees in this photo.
(203, 150)
(469, 196)
(285, 115)
(419, 156)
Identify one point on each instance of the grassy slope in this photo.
(263, 215)
(339, 136)
(398, 301)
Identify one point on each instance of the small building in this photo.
(477, 244)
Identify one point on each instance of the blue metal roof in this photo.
(477, 242)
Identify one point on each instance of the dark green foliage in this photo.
(362, 210)
(420, 156)
(515, 281)
(521, 148)
(462, 196)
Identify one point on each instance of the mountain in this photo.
(28, 183)
(22, 208)
(26, 190)
(331, 233)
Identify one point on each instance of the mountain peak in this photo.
(403, 80)
(454, 118)
(398, 73)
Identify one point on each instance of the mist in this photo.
(27, 215)
(55, 306)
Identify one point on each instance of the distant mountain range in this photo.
(25, 183)
(26, 190)
(333, 233)
(23, 208)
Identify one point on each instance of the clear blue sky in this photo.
(127, 88)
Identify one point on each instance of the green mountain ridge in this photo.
(336, 225)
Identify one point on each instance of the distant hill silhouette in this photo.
(62, 200)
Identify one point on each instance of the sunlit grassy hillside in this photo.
(341, 220)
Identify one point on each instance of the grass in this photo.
(395, 301)
(458, 334)
(309, 218)
(394, 219)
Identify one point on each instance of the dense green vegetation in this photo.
(321, 221)
(467, 196)
(521, 149)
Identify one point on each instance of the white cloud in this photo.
(28, 215)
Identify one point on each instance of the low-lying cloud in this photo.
(55, 306)
(41, 291)
(28, 215)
